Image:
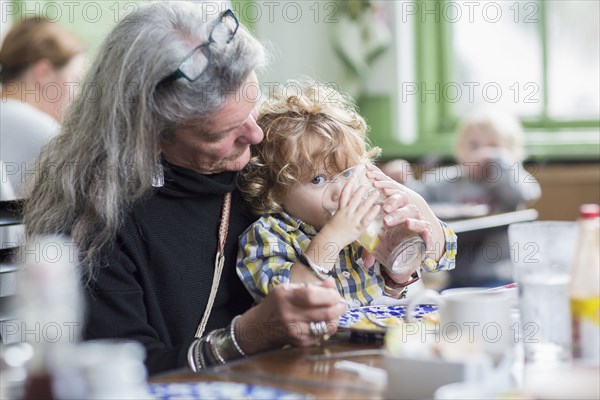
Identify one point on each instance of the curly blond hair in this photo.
(309, 128)
(495, 122)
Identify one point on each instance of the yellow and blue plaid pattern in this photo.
(270, 246)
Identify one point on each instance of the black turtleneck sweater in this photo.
(156, 284)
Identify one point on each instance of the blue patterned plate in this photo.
(350, 318)
(218, 391)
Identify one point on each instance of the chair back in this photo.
(11, 236)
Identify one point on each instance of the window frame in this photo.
(546, 138)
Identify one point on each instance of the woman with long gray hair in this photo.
(142, 178)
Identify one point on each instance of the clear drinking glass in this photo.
(408, 249)
(542, 252)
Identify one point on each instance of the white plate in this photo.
(471, 390)
(218, 391)
(349, 318)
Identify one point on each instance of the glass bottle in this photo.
(584, 288)
(49, 306)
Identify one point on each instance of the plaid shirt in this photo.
(270, 246)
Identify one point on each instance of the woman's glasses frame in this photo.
(227, 19)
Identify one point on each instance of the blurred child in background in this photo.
(489, 153)
(489, 172)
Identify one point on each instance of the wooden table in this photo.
(290, 369)
(293, 370)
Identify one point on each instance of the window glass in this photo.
(573, 59)
(497, 57)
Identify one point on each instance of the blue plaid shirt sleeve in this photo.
(265, 259)
(448, 259)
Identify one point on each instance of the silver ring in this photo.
(318, 329)
(323, 328)
(313, 328)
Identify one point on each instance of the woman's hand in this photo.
(283, 317)
(399, 170)
(404, 207)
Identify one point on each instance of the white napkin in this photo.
(388, 301)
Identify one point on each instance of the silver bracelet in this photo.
(192, 358)
(232, 335)
(321, 272)
(215, 346)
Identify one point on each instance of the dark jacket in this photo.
(156, 284)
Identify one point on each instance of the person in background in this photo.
(152, 203)
(311, 136)
(40, 65)
(489, 173)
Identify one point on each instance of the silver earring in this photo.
(158, 175)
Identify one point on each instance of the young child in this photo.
(310, 137)
(489, 170)
(489, 173)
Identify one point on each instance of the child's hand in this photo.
(356, 210)
(486, 153)
(484, 158)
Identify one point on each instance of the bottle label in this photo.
(586, 309)
(586, 328)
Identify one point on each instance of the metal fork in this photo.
(364, 312)
(372, 319)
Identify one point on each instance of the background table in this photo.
(484, 252)
(492, 221)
